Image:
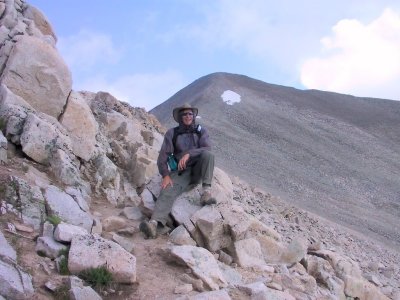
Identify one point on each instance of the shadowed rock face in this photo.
(333, 154)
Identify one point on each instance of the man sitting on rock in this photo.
(184, 161)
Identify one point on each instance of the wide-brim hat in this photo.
(177, 110)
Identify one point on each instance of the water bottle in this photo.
(172, 163)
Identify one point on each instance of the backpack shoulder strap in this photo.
(176, 133)
(198, 131)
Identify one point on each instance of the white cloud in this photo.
(360, 59)
(139, 90)
(87, 48)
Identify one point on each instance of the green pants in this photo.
(201, 171)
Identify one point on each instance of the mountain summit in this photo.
(333, 154)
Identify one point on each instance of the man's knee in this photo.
(207, 155)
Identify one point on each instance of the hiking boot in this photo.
(149, 229)
(206, 198)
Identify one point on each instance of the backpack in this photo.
(197, 130)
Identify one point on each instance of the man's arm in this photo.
(166, 149)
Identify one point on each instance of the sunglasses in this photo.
(187, 114)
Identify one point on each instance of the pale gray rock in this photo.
(40, 137)
(213, 295)
(3, 148)
(154, 185)
(41, 179)
(132, 213)
(64, 206)
(197, 284)
(93, 251)
(19, 29)
(78, 291)
(77, 115)
(323, 272)
(36, 72)
(2, 9)
(147, 203)
(97, 226)
(252, 288)
(107, 178)
(231, 276)
(125, 243)
(243, 225)
(202, 263)
(271, 249)
(39, 20)
(64, 168)
(83, 293)
(65, 232)
(113, 223)
(129, 193)
(15, 283)
(80, 199)
(301, 284)
(49, 247)
(183, 289)
(248, 253)
(362, 289)
(237, 220)
(211, 224)
(48, 229)
(271, 294)
(180, 236)
(222, 188)
(184, 206)
(29, 201)
(295, 251)
(6, 251)
(144, 168)
(224, 257)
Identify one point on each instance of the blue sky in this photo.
(143, 52)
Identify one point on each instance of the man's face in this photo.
(187, 116)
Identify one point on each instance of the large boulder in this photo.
(41, 136)
(40, 21)
(27, 199)
(211, 224)
(202, 263)
(15, 283)
(89, 251)
(6, 251)
(77, 115)
(13, 112)
(36, 72)
(63, 205)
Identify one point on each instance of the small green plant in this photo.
(97, 277)
(63, 266)
(54, 219)
(62, 293)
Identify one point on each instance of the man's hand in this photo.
(183, 161)
(166, 181)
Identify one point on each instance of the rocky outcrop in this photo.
(90, 251)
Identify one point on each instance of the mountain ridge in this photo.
(332, 154)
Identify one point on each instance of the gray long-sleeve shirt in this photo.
(187, 142)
